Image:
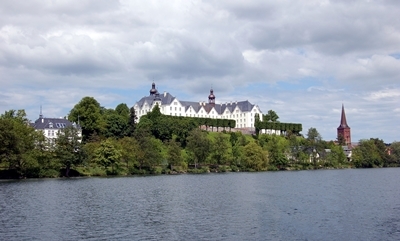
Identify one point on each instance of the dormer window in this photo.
(51, 125)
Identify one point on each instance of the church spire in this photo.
(343, 121)
(343, 131)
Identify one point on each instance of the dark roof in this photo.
(58, 123)
(165, 98)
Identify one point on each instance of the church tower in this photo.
(211, 98)
(343, 131)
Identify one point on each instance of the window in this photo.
(170, 108)
(175, 108)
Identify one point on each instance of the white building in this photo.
(242, 112)
(51, 127)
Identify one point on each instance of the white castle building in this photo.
(242, 112)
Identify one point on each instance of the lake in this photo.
(350, 204)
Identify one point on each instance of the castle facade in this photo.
(243, 112)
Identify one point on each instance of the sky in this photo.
(302, 59)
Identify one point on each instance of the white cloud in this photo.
(301, 58)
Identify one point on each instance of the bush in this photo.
(49, 173)
(156, 170)
(234, 168)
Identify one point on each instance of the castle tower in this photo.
(343, 131)
(153, 90)
(211, 98)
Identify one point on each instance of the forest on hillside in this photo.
(114, 143)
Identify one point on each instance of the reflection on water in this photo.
(305, 205)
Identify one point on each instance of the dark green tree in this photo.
(68, 148)
(221, 149)
(254, 157)
(123, 110)
(132, 121)
(107, 154)
(89, 115)
(174, 155)
(199, 145)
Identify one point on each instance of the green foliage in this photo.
(17, 142)
(107, 155)
(68, 148)
(270, 122)
(199, 146)
(255, 158)
(395, 153)
(313, 135)
(336, 157)
(369, 153)
(150, 153)
(174, 154)
(123, 110)
(88, 113)
(130, 150)
(116, 125)
(271, 116)
(277, 147)
(221, 150)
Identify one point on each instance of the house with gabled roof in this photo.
(52, 126)
(243, 112)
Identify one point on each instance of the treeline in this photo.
(270, 122)
(115, 144)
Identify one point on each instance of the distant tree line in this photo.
(114, 143)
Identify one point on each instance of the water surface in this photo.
(362, 204)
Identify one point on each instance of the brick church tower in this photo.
(343, 131)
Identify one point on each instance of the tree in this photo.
(199, 145)
(108, 155)
(174, 155)
(313, 135)
(255, 157)
(129, 151)
(151, 152)
(68, 148)
(395, 152)
(277, 147)
(221, 149)
(132, 121)
(88, 114)
(116, 125)
(367, 154)
(271, 116)
(17, 142)
(336, 156)
(123, 110)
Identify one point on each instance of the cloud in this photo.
(302, 59)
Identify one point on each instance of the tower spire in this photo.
(343, 131)
(343, 121)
